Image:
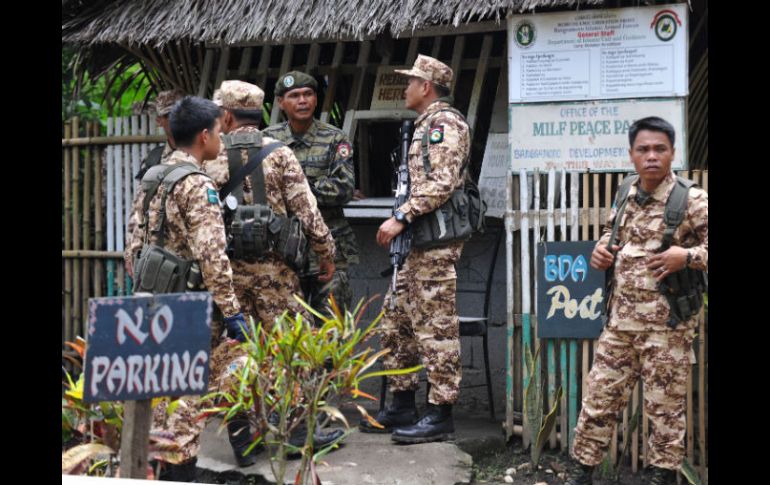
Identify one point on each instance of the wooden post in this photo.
(243, 67)
(331, 90)
(288, 52)
(135, 438)
(312, 57)
(224, 60)
(208, 62)
(264, 63)
(563, 342)
(478, 83)
(411, 52)
(457, 56)
(573, 344)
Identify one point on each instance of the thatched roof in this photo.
(157, 22)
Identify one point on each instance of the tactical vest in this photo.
(683, 289)
(254, 230)
(457, 218)
(152, 159)
(159, 270)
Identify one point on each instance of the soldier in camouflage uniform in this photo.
(163, 103)
(266, 285)
(424, 322)
(194, 230)
(326, 156)
(637, 341)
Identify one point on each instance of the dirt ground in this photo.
(491, 469)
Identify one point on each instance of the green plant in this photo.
(292, 372)
(91, 432)
(540, 428)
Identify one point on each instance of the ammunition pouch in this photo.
(158, 270)
(455, 220)
(684, 292)
(256, 230)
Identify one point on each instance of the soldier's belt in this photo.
(332, 212)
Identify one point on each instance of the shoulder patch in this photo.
(436, 134)
(213, 196)
(343, 149)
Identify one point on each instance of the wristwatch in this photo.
(400, 216)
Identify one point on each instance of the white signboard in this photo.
(590, 135)
(494, 167)
(598, 54)
(389, 88)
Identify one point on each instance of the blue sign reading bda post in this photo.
(141, 347)
(570, 293)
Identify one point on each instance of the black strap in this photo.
(620, 202)
(676, 208)
(255, 159)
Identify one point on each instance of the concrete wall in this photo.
(471, 274)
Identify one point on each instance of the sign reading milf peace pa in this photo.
(141, 347)
(590, 135)
(598, 54)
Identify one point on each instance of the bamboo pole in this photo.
(702, 395)
(76, 265)
(525, 294)
(67, 237)
(93, 254)
(110, 207)
(585, 221)
(112, 140)
(98, 222)
(608, 204)
(573, 344)
(550, 236)
(645, 431)
(690, 441)
(87, 188)
(635, 434)
(509, 320)
(563, 342)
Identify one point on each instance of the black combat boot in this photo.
(239, 434)
(662, 476)
(183, 472)
(579, 474)
(321, 438)
(401, 412)
(435, 425)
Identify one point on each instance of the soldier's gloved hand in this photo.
(236, 326)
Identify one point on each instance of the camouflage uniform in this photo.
(637, 341)
(194, 230)
(266, 286)
(326, 157)
(164, 101)
(424, 322)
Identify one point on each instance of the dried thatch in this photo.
(157, 22)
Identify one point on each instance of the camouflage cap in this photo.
(239, 95)
(430, 69)
(293, 80)
(165, 100)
